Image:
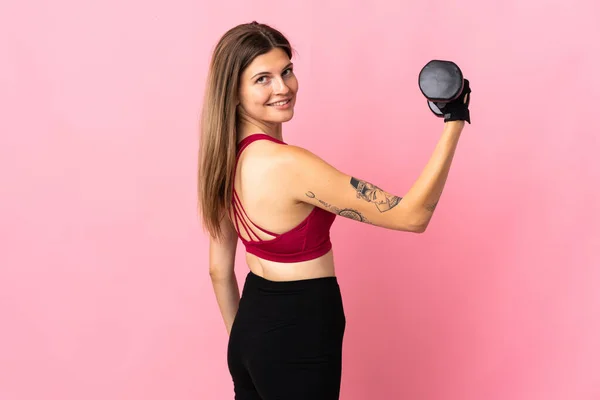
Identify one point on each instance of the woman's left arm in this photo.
(221, 263)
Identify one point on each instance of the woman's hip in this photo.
(309, 311)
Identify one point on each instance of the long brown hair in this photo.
(236, 49)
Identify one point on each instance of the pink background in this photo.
(104, 286)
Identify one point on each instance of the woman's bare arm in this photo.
(221, 267)
(426, 192)
(316, 182)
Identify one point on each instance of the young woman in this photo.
(280, 200)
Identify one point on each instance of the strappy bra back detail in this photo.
(308, 240)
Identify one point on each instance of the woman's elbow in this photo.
(220, 273)
(419, 229)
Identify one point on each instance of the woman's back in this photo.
(285, 239)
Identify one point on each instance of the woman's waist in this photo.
(321, 267)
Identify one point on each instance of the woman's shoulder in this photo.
(276, 153)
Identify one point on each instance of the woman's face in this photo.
(264, 84)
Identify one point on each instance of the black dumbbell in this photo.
(444, 86)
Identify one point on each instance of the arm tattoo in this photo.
(367, 191)
(344, 212)
(431, 207)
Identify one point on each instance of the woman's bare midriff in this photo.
(276, 271)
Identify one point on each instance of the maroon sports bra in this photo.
(306, 241)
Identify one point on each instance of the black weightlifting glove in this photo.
(457, 109)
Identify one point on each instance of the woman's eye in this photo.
(288, 71)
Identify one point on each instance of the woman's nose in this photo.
(279, 86)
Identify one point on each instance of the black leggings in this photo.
(286, 340)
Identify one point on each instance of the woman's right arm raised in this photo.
(316, 182)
